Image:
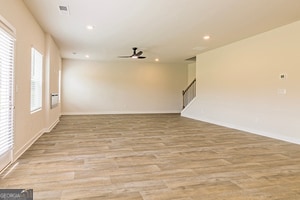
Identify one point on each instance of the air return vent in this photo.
(64, 10)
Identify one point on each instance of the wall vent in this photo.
(64, 10)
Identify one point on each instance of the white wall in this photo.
(52, 69)
(238, 85)
(28, 127)
(191, 72)
(90, 87)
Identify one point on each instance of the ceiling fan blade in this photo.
(141, 57)
(139, 53)
(124, 56)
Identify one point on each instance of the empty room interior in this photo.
(150, 100)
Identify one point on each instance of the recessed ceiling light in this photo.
(87, 56)
(206, 37)
(90, 27)
(156, 59)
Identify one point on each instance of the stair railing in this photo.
(189, 93)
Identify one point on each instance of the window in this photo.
(36, 80)
(7, 45)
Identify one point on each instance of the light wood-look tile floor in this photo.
(155, 157)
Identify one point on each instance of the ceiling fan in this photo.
(136, 55)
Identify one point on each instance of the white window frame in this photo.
(36, 96)
(7, 57)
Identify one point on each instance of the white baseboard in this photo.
(121, 113)
(49, 129)
(27, 145)
(32, 141)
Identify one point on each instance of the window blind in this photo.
(6, 96)
(36, 80)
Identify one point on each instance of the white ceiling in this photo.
(170, 30)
